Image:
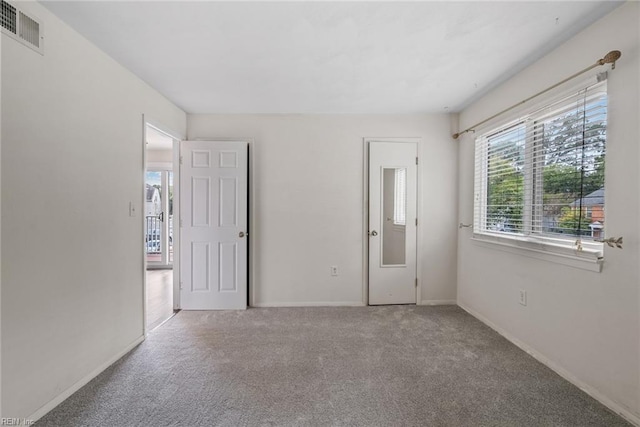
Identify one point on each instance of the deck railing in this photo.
(153, 234)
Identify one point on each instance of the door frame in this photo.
(365, 214)
(252, 223)
(177, 136)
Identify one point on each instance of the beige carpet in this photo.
(369, 366)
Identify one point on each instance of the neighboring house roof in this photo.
(593, 199)
(151, 191)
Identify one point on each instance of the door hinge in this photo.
(416, 160)
(181, 285)
(180, 222)
(180, 159)
(416, 282)
(416, 222)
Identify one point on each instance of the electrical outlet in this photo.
(334, 270)
(523, 297)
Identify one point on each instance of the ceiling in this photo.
(326, 57)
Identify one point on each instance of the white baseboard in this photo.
(438, 302)
(311, 304)
(78, 385)
(612, 405)
(344, 303)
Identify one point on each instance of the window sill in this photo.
(588, 259)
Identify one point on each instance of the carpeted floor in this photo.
(368, 366)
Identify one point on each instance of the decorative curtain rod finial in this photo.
(459, 134)
(610, 58)
(612, 242)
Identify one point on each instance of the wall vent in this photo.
(29, 30)
(22, 27)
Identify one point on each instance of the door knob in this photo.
(374, 233)
(242, 234)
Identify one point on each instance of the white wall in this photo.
(584, 324)
(309, 201)
(72, 262)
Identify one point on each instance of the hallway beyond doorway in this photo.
(159, 297)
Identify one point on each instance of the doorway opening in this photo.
(158, 226)
(158, 219)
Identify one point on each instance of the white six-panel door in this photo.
(213, 193)
(392, 222)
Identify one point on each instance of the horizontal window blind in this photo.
(543, 175)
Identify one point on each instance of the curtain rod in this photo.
(609, 58)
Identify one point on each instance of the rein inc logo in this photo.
(16, 422)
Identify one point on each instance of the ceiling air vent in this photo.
(22, 27)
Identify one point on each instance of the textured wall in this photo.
(309, 201)
(71, 255)
(584, 324)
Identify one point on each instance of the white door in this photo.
(392, 222)
(213, 201)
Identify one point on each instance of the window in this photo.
(540, 179)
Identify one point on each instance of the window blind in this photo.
(543, 174)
